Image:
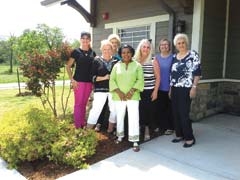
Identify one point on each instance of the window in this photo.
(133, 31)
(133, 36)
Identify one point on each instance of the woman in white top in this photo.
(147, 105)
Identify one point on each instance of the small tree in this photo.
(42, 71)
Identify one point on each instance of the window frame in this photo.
(148, 21)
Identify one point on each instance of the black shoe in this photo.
(177, 140)
(186, 145)
(168, 132)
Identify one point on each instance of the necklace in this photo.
(181, 56)
(85, 52)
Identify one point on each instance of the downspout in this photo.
(172, 17)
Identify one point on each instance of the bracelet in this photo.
(132, 91)
(194, 86)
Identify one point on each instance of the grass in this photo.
(6, 77)
(10, 100)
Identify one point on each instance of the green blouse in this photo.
(126, 77)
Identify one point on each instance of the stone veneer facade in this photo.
(216, 97)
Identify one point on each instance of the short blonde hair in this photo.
(115, 36)
(180, 36)
(104, 43)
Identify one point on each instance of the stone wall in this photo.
(231, 97)
(216, 97)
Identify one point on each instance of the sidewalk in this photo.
(9, 174)
(215, 156)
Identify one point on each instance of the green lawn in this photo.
(6, 77)
(10, 100)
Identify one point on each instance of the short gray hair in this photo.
(180, 36)
(105, 42)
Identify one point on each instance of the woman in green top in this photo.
(126, 83)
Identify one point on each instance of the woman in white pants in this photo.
(101, 68)
(126, 83)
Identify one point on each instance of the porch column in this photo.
(197, 25)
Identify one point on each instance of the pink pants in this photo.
(81, 95)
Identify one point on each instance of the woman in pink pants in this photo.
(81, 80)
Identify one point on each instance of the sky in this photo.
(18, 15)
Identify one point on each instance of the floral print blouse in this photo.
(184, 70)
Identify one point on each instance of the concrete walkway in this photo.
(22, 85)
(215, 156)
(9, 174)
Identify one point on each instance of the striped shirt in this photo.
(149, 77)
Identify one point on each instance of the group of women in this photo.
(156, 92)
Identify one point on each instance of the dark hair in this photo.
(84, 33)
(126, 46)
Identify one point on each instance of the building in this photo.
(212, 25)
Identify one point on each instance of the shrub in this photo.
(32, 133)
(74, 146)
(26, 134)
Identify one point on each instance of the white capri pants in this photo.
(99, 99)
(133, 119)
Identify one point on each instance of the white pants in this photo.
(133, 119)
(99, 99)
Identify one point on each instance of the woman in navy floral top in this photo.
(185, 74)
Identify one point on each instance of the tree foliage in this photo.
(7, 54)
(41, 60)
(40, 40)
(4, 54)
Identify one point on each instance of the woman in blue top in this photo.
(164, 59)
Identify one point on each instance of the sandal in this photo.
(118, 140)
(146, 134)
(98, 127)
(147, 138)
(136, 147)
(113, 132)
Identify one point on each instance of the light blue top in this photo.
(165, 64)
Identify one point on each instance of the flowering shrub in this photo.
(42, 71)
